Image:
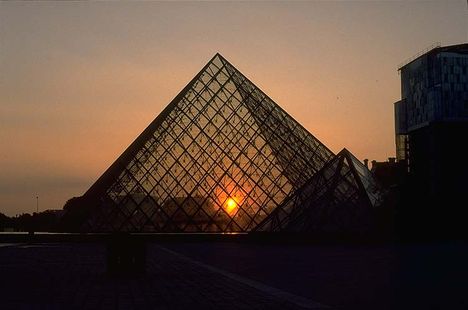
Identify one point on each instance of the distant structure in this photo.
(389, 173)
(221, 157)
(431, 132)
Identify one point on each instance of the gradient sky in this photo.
(79, 80)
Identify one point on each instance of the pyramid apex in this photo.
(218, 54)
(344, 151)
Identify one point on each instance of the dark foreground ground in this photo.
(229, 275)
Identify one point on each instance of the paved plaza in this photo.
(230, 275)
(72, 276)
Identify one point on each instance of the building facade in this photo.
(434, 88)
(434, 92)
(431, 125)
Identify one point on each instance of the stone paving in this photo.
(72, 276)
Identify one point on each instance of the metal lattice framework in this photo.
(219, 158)
(338, 198)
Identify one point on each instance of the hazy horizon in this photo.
(80, 80)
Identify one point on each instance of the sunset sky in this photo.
(80, 80)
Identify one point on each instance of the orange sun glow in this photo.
(231, 206)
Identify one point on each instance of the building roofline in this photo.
(435, 48)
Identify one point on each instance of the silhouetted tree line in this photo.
(67, 220)
(43, 221)
(76, 211)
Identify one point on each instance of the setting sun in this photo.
(231, 206)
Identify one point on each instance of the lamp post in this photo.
(37, 204)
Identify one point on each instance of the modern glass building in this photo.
(431, 119)
(431, 130)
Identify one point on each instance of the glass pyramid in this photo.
(219, 158)
(338, 198)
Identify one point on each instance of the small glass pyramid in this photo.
(337, 199)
